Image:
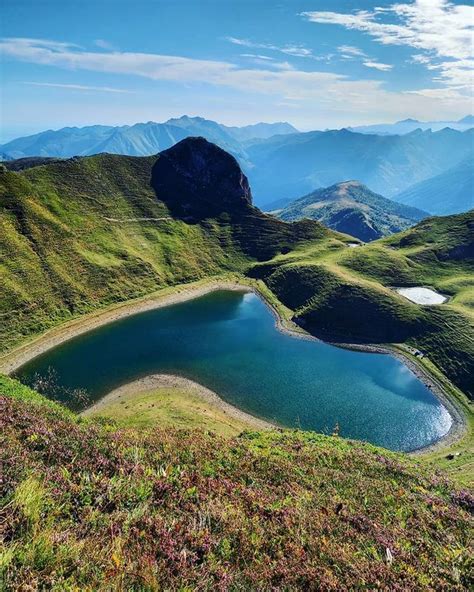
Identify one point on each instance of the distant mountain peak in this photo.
(405, 126)
(139, 139)
(352, 208)
(185, 118)
(350, 183)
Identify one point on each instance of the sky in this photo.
(316, 63)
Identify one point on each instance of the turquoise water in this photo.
(228, 342)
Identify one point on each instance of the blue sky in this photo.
(316, 64)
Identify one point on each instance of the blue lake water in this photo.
(228, 342)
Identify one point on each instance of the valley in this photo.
(236, 296)
(282, 163)
(89, 245)
(137, 225)
(227, 342)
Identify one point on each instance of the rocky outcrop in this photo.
(197, 180)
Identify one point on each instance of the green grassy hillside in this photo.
(84, 233)
(119, 509)
(344, 294)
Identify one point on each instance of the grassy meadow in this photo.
(95, 504)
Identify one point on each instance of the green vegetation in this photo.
(344, 294)
(457, 460)
(90, 505)
(168, 407)
(86, 233)
(352, 208)
(69, 243)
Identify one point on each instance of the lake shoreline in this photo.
(16, 358)
(159, 381)
(458, 428)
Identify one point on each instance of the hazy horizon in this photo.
(13, 137)
(316, 64)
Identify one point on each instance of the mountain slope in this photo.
(82, 233)
(88, 503)
(450, 192)
(353, 209)
(66, 142)
(346, 295)
(283, 166)
(141, 139)
(85, 233)
(261, 131)
(293, 165)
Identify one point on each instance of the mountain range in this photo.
(450, 192)
(280, 162)
(141, 139)
(409, 125)
(294, 165)
(351, 208)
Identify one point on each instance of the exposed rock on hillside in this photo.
(197, 179)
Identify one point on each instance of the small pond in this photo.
(421, 295)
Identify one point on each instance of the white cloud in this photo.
(297, 51)
(103, 44)
(266, 62)
(80, 87)
(377, 66)
(350, 52)
(326, 95)
(421, 59)
(244, 42)
(443, 94)
(290, 49)
(443, 30)
(171, 68)
(254, 55)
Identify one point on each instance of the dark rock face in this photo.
(202, 184)
(198, 180)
